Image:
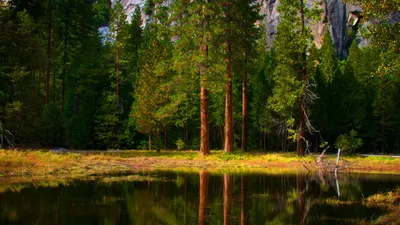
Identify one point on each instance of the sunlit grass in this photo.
(214, 155)
(45, 163)
(66, 164)
(391, 197)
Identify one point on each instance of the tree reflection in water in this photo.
(204, 178)
(197, 198)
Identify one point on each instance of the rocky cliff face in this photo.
(337, 16)
(340, 18)
(129, 8)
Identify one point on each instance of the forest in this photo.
(195, 75)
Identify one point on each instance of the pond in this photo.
(199, 198)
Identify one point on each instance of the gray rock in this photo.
(335, 15)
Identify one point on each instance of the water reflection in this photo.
(199, 198)
(204, 177)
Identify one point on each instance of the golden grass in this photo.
(390, 201)
(41, 163)
(391, 197)
(70, 165)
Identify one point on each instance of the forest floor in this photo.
(77, 164)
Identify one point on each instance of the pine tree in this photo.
(116, 32)
(152, 110)
(291, 79)
(196, 51)
(247, 34)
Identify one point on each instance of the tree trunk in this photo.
(301, 132)
(270, 143)
(228, 97)
(243, 200)
(204, 133)
(221, 132)
(227, 198)
(165, 138)
(204, 177)
(65, 57)
(117, 71)
(204, 129)
(244, 112)
(265, 140)
(186, 135)
(149, 141)
(261, 146)
(49, 27)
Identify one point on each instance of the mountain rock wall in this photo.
(339, 17)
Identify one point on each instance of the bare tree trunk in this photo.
(228, 97)
(50, 20)
(204, 129)
(149, 141)
(244, 111)
(227, 198)
(204, 178)
(301, 132)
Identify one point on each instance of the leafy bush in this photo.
(180, 144)
(349, 142)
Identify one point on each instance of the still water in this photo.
(199, 198)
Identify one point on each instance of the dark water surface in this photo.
(200, 198)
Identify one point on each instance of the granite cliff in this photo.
(340, 18)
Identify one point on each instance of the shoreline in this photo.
(34, 164)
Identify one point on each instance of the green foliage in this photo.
(108, 125)
(149, 7)
(180, 144)
(50, 125)
(349, 142)
(143, 145)
(289, 79)
(159, 74)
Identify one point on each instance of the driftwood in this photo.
(328, 164)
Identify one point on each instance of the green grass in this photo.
(44, 163)
(215, 155)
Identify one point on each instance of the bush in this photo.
(348, 142)
(180, 144)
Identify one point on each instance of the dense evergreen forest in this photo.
(195, 75)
